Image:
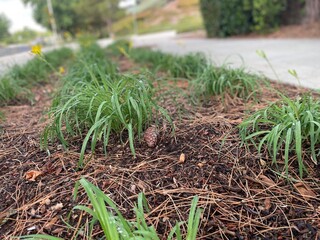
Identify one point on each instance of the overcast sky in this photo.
(19, 15)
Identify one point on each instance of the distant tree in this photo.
(75, 16)
(312, 10)
(4, 27)
(23, 36)
(64, 13)
(98, 15)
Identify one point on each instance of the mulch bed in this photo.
(242, 197)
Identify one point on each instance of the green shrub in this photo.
(226, 18)
(289, 126)
(233, 17)
(211, 14)
(267, 14)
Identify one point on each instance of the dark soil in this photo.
(240, 193)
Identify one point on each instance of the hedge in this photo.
(233, 17)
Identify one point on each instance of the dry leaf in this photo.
(267, 204)
(57, 207)
(49, 225)
(58, 171)
(182, 158)
(37, 98)
(267, 181)
(32, 175)
(58, 231)
(304, 190)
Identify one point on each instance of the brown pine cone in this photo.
(151, 136)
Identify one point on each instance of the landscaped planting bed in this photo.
(157, 134)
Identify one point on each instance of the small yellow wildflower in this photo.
(36, 49)
(62, 70)
(123, 51)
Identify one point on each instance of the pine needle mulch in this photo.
(242, 196)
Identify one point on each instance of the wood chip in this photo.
(182, 158)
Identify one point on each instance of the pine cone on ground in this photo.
(151, 136)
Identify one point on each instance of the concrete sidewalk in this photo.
(302, 55)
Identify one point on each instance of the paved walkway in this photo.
(302, 55)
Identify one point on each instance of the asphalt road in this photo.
(302, 55)
(5, 51)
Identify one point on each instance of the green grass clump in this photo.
(10, 89)
(102, 105)
(116, 227)
(186, 66)
(289, 126)
(220, 80)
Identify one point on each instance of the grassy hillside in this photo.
(179, 15)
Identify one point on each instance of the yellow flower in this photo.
(62, 70)
(123, 51)
(36, 49)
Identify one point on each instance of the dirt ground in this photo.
(241, 195)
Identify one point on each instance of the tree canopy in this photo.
(4, 27)
(76, 16)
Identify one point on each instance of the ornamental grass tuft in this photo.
(116, 227)
(100, 104)
(286, 127)
(220, 80)
(186, 66)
